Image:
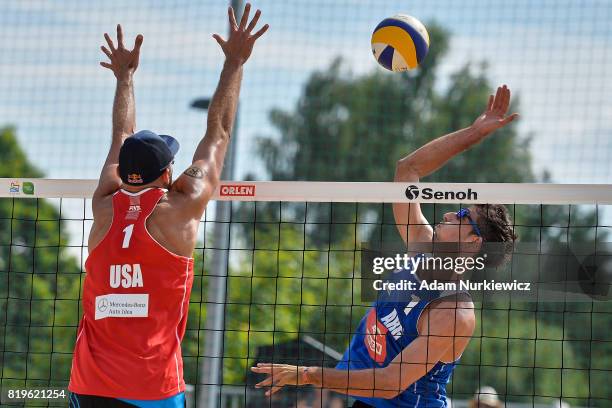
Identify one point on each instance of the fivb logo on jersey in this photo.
(413, 192)
(134, 209)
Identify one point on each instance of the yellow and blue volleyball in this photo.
(400, 43)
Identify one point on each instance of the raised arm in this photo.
(123, 64)
(412, 225)
(440, 330)
(199, 181)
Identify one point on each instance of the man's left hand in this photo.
(280, 375)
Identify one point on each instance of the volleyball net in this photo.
(279, 278)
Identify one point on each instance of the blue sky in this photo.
(554, 54)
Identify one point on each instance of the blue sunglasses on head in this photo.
(465, 213)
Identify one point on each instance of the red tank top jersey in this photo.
(135, 304)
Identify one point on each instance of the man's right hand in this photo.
(238, 47)
(494, 117)
(123, 61)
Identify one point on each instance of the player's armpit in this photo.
(109, 180)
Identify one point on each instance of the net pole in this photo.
(211, 368)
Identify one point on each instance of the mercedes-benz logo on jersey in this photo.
(412, 192)
(103, 304)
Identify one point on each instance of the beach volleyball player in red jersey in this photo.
(139, 270)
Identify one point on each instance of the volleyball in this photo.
(400, 43)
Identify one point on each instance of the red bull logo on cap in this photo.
(134, 178)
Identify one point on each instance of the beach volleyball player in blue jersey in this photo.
(404, 350)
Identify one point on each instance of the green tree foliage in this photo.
(523, 358)
(282, 289)
(39, 282)
(193, 346)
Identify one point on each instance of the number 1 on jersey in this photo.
(128, 235)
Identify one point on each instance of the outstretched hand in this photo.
(494, 117)
(238, 47)
(122, 60)
(279, 375)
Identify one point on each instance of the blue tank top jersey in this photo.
(389, 327)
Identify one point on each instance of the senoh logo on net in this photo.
(237, 190)
(413, 192)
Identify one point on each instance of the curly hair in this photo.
(496, 227)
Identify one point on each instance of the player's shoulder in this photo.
(452, 315)
(175, 211)
(175, 200)
(102, 205)
(190, 204)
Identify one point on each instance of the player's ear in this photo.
(478, 243)
(475, 239)
(471, 246)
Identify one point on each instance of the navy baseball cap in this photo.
(144, 156)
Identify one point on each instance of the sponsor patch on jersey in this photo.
(375, 338)
(122, 305)
(134, 209)
(133, 212)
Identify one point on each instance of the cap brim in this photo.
(172, 143)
